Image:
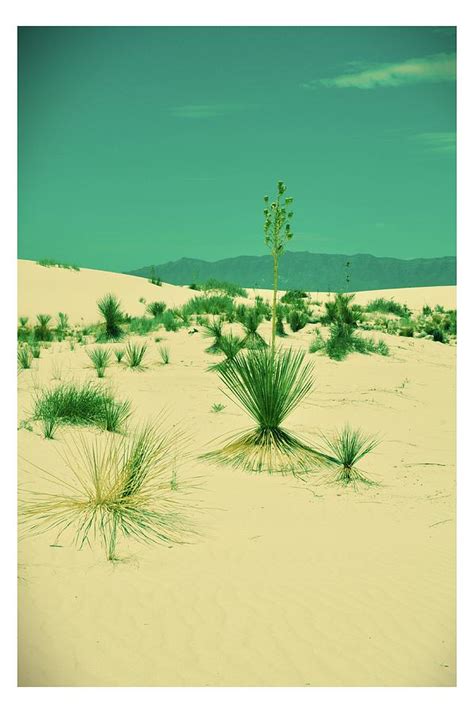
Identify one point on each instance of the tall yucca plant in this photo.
(277, 232)
(109, 307)
(268, 385)
(110, 488)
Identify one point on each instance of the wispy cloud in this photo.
(204, 111)
(433, 68)
(438, 141)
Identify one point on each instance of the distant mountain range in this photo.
(312, 271)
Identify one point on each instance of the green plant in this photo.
(228, 288)
(49, 427)
(100, 359)
(134, 354)
(156, 308)
(268, 385)
(24, 357)
(390, 306)
(50, 262)
(115, 415)
(85, 404)
(344, 450)
(111, 488)
(217, 408)
(62, 323)
(341, 310)
(297, 320)
(213, 330)
(23, 322)
(317, 345)
(165, 355)
(109, 308)
(294, 296)
(230, 346)
(169, 321)
(251, 321)
(154, 279)
(210, 304)
(56, 370)
(142, 325)
(277, 232)
(119, 354)
(42, 331)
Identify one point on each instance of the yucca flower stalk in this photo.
(112, 487)
(268, 386)
(277, 232)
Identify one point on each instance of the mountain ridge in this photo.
(311, 271)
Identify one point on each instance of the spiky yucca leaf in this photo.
(230, 346)
(113, 486)
(344, 451)
(134, 354)
(100, 359)
(268, 386)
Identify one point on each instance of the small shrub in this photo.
(297, 320)
(389, 306)
(217, 408)
(119, 354)
(344, 451)
(251, 321)
(24, 357)
(134, 354)
(213, 330)
(294, 296)
(41, 330)
(100, 359)
(169, 321)
(156, 308)
(165, 355)
(78, 405)
(109, 308)
(49, 426)
(50, 262)
(227, 288)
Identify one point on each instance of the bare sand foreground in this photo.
(291, 583)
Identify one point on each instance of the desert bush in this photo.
(142, 325)
(42, 330)
(134, 354)
(156, 308)
(165, 355)
(169, 321)
(100, 359)
(251, 320)
(24, 357)
(343, 452)
(297, 320)
(109, 308)
(341, 310)
(268, 386)
(72, 404)
(229, 345)
(210, 304)
(294, 296)
(119, 355)
(389, 306)
(35, 349)
(51, 262)
(213, 330)
(115, 487)
(227, 288)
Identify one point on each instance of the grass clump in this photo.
(51, 262)
(217, 408)
(24, 357)
(388, 306)
(112, 488)
(165, 354)
(210, 304)
(227, 288)
(213, 330)
(119, 355)
(134, 354)
(100, 359)
(156, 308)
(294, 297)
(230, 345)
(268, 386)
(169, 321)
(79, 405)
(343, 451)
(42, 329)
(251, 320)
(297, 320)
(109, 308)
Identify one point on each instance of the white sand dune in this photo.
(290, 583)
(49, 290)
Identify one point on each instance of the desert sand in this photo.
(289, 583)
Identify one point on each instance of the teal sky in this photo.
(140, 145)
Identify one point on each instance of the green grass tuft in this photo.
(134, 354)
